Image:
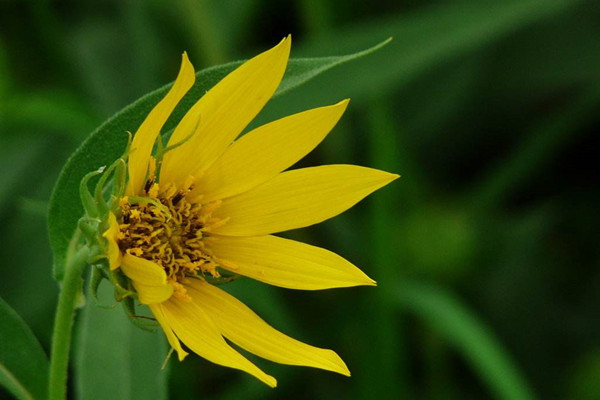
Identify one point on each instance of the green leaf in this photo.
(443, 312)
(426, 38)
(23, 364)
(302, 70)
(107, 143)
(114, 358)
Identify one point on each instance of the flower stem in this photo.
(63, 323)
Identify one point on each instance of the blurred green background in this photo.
(485, 252)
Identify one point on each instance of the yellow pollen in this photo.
(179, 291)
(168, 230)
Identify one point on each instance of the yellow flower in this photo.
(209, 203)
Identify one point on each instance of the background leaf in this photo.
(444, 313)
(23, 364)
(425, 39)
(487, 103)
(107, 143)
(114, 358)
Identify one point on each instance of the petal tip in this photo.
(363, 279)
(272, 382)
(181, 355)
(393, 177)
(340, 366)
(389, 177)
(187, 71)
(342, 104)
(284, 45)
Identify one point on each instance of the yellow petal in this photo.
(298, 198)
(171, 338)
(143, 271)
(266, 151)
(246, 329)
(223, 112)
(111, 234)
(148, 294)
(286, 263)
(199, 333)
(143, 141)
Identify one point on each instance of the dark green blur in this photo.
(485, 250)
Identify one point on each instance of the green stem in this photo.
(386, 375)
(63, 323)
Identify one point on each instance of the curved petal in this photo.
(223, 112)
(143, 271)
(148, 279)
(298, 198)
(111, 235)
(191, 324)
(246, 329)
(143, 141)
(171, 338)
(286, 263)
(148, 294)
(266, 151)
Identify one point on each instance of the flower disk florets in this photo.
(168, 230)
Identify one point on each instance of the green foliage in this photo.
(23, 364)
(107, 143)
(429, 38)
(488, 110)
(456, 324)
(114, 358)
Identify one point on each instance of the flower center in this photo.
(167, 230)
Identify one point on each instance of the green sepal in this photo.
(125, 295)
(129, 307)
(80, 300)
(89, 227)
(95, 280)
(120, 179)
(101, 188)
(121, 284)
(89, 204)
(98, 275)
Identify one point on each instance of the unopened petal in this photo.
(298, 198)
(143, 271)
(222, 113)
(148, 294)
(286, 263)
(246, 329)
